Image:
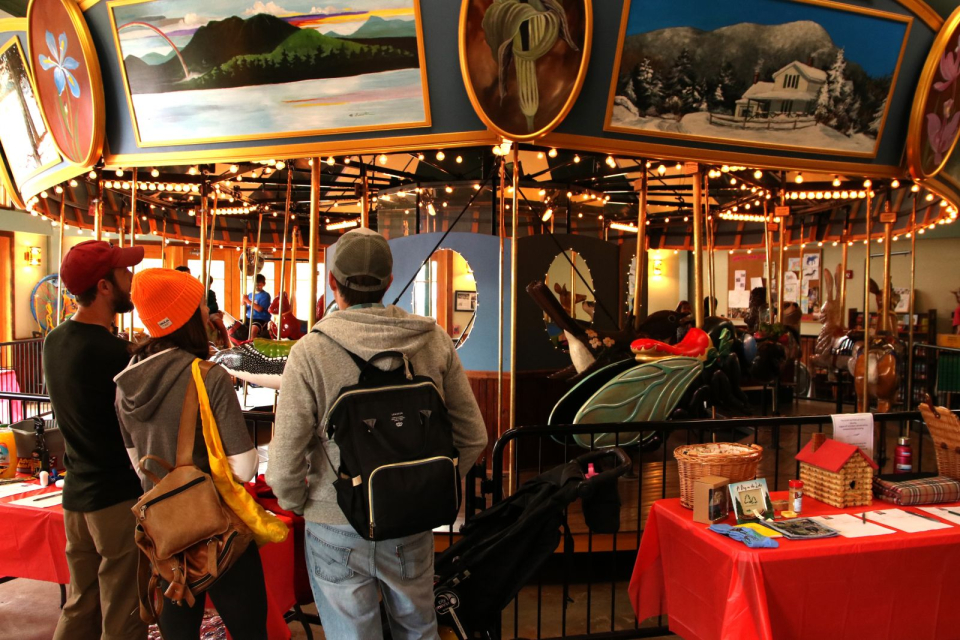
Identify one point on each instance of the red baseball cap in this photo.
(88, 262)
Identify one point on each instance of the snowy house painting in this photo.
(776, 73)
(794, 91)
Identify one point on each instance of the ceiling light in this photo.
(661, 169)
(836, 181)
(799, 178)
(441, 155)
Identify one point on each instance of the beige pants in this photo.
(102, 557)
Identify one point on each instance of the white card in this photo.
(17, 487)
(851, 526)
(905, 521)
(41, 501)
(950, 514)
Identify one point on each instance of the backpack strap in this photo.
(188, 419)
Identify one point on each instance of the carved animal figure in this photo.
(258, 361)
(565, 297)
(291, 327)
(833, 346)
(879, 363)
(892, 325)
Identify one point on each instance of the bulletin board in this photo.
(747, 270)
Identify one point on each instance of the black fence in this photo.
(21, 372)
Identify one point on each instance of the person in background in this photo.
(348, 573)
(80, 359)
(217, 331)
(259, 316)
(149, 400)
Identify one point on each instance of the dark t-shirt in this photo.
(212, 305)
(79, 363)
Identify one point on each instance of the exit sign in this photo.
(781, 212)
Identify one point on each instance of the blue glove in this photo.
(748, 537)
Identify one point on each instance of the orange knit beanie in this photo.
(165, 299)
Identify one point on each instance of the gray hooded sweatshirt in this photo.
(150, 394)
(298, 471)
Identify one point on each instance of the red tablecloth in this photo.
(889, 587)
(10, 411)
(33, 545)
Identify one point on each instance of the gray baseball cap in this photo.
(362, 252)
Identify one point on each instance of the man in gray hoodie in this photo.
(345, 569)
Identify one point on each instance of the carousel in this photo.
(620, 213)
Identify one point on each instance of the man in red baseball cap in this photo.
(80, 359)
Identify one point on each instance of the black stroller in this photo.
(503, 547)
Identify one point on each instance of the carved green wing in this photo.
(647, 392)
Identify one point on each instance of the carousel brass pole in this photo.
(711, 236)
(782, 233)
(253, 270)
(844, 252)
(913, 281)
(708, 264)
(63, 214)
(365, 199)
(768, 250)
(213, 232)
(640, 272)
(887, 241)
(502, 234)
(163, 242)
(513, 304)
(866, 309)
(243, 269)
(203, 234)
(98, 211)
(314, 232)
(697, 248)
(283, 250)
(133, 228)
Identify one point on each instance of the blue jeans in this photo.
(345, 571)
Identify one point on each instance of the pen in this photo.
(863, 517)
(953, 513)
(48, 495)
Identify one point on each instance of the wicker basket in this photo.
(945, 429)
(732, 460)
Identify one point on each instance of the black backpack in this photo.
(399, 470)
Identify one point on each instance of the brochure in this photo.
(751, 501)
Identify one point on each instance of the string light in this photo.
(552, 153)
(92, 175)
(119, 173)
(758, 174)
(661, 169)
(441, 155)
(894, 184)
(611, 162)
(73, 183)
(383, 158)
(799, 178)
(346, 224)
(576, 158)
(459, 159)
(547, 215)
(540, 155)
(836, 181)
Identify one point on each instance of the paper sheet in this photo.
(755, 283)
(905, 521)
(41, 501)
(944, 513)
(738, 299)
(17, 487)
(811, 266)
(793, 264)
(739, 280)
(852, 527)
(855, 429)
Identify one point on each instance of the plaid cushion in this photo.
(922, 491)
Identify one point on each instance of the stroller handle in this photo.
(621, 465)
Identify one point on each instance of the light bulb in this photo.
(836, 182)
(552, 153)
(661, 169)
(576, 158)
(799, 178)
(383, 158)
(459, 159)
(894, 184)
(758, 174)
(441, 155)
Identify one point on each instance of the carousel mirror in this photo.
(446, 290)
(570, 280)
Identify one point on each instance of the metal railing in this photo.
(929, 365)
(21, 372)
(605, 562)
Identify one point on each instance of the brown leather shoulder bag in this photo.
(186, 535)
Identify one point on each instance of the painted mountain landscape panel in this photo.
(763, 73)
(236, 69)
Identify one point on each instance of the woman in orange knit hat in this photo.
(150, 396)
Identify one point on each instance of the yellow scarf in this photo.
(265, 526)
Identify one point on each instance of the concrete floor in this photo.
(29, 610)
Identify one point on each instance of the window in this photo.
(268, 271)
(147, 263)
(301, 302)
(786, 106)
(425, 291)
(791, 81)
(217, 273)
